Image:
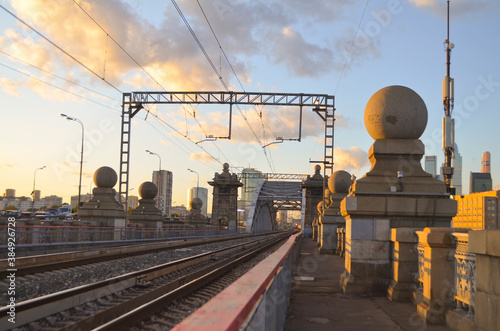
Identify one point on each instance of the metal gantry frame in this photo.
(133, 102)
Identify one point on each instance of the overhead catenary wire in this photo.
(59, 88)
(59, 77)
(144, 69)
(214, 68)
(350, 48)
(60, 49)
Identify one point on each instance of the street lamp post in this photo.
(33, 193)
(69, 118)
(197, 181)
(159, 179)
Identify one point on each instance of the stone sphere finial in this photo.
(148, 190)
(105, 177)
(196, 204)
(225, 167)
(395, 112)
(339, 182)
(317, 168)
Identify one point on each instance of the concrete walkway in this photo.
(317, 301)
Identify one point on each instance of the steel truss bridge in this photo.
(132, 103)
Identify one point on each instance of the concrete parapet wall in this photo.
(486, 245)
(256, 301)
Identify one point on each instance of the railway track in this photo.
(113, 303)
(30, 265)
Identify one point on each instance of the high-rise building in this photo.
(133, 202)
(485, 163)
(477, 211)
(456, 163)
(83, 199)
(481, 181)
(164, 182)
(36, 195)
(431, 165)
(10, 193)
(52, 200)
(202, 193)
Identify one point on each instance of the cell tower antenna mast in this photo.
(448, 122)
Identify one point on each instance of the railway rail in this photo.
(29, 265)
(113, 303)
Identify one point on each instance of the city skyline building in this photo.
(202, 193)
(83, 199)
(53, 200)
(36, 195)
(10, 193)
(485, 163)
(456, 163)
(164, 182)
(430, 165)
(481, 181)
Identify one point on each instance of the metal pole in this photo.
(69, 118)
(448, 95)
(197, 181)
(34, 178)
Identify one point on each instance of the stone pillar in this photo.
(195, 218)
(395, 193)
(330, 219)
(147, 214)
(404, 264)
(313, 187)
(103, 209)
(225, 198)
(486, 245)
(437, 276)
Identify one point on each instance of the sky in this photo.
(79, 57)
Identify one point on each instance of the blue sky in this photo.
(284, 46)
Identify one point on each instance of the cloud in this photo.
(7, 165)
(305, 59)
(167, 51)
(202, 156)
(351, 160)
(457, 7)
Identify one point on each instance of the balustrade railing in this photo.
(421, 266)
(465, 274)
(39, 235)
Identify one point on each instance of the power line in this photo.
(59, 48)
(220, 46)
(350, 49)
(140, 66)
(195, 37)
(57, 87)
(127, 53)
(53, 74)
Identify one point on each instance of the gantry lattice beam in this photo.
(240, 98)
(133, 102)
(275, 176)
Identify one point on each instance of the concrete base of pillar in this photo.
(399, 291)
(364, 287)
(430, 314)
(328, 240)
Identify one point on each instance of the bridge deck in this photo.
(320, 304)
